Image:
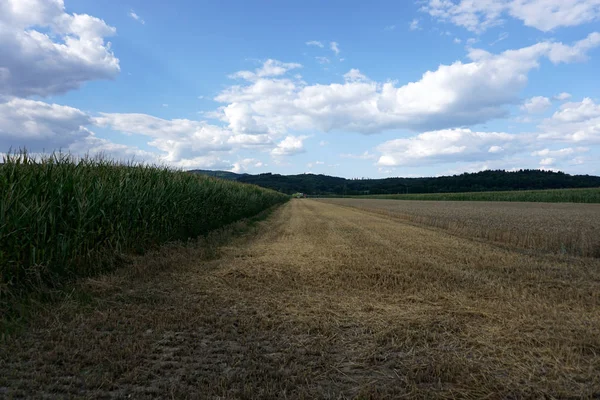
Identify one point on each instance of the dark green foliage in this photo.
(481, 181)
(61, 218)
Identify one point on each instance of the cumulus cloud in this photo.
(444, 146)
(92, 145)
(545, 15)
(184, 143)
(546, 162)
(575, 122)
(269, 68)
(450, 96)
(246, 164)
(536, 105)
(562, 96)
(182, 139)
(47, 51)
(354, 75)
(289, 146)
(41, 126)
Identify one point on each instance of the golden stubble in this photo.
(560, 228)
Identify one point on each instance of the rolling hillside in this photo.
(476, 182)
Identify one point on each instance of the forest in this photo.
(491, 180)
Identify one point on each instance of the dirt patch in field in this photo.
(321, 301)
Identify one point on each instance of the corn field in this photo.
(61, 217)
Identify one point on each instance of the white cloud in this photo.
(390, 28)
(246, 164)
(451, 96)
(577, 111)
(92, 145)
(547, 161)
(323, 143)
(315, 43)
(457, 41)
(289, 146)
(364, 156)
(560, 153)
(536, 105)
(136, 17)
(322, 60)
(186, 143)
(354, 75)
(41, 126)
(545, 15)
(414, 24)
(334, 46)
(562, 96)
(444, 146)
(558, 52)
(314, 164)
(47, 51)
(575, 122)
(269, 68)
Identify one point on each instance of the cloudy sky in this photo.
(346, 88)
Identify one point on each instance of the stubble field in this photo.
(560, 228)
(321, 301)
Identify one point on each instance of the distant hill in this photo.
(232, 176)
(476, 182)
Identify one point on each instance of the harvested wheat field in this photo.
(561, 228)
(320, 301)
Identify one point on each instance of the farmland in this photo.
(322, 300)
(588, 195)
(556, 228)
(61, 218)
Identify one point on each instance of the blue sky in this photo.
(354, 89)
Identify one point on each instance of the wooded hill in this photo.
(481, 181)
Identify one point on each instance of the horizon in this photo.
(424, 88)
(395, 177)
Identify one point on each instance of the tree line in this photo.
(491, 180)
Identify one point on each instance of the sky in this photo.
(345, 88)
